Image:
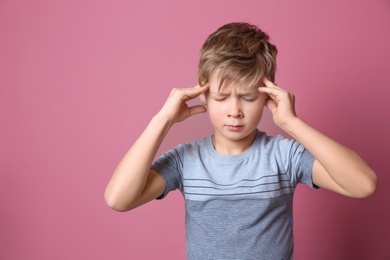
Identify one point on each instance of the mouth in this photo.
(234, 128)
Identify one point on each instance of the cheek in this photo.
(214, 109)
(261, 101)
(255, 109)
(217, 112)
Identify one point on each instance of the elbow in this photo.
(369, 187)
(114, 202)
(372, 187)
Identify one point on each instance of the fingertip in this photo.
(268, 83)
(205, 87)
(202, 86)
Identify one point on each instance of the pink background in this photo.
(79, 80)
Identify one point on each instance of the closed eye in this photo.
(219, 99)
(249, 99)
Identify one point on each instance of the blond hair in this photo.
(241, 51)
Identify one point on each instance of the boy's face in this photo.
(235, 109)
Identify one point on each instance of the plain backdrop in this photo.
(80, 80)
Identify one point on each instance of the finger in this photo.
(197, 89)
(269, 83)
(197, 110)
(191, 93)
(272, 92)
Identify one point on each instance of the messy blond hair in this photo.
(241, 51)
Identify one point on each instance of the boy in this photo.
(238, 184)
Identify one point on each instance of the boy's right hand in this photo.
(176, 109)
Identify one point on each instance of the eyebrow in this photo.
(219, 93)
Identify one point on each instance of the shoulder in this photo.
(279, 146)
(264, 140)
(189, 149)
(194, 145)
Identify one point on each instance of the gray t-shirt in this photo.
(238, 206)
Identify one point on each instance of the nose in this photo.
(235, 110)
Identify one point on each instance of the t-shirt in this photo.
(238, 206)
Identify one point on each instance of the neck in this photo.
(226, 146)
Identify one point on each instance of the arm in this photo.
(133, 182)
(336, 168)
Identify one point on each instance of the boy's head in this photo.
(241, 52)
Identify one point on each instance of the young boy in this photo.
(238, 184)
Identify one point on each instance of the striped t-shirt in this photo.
(238, 206)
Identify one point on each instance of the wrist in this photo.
(293, 126)
(163, 120)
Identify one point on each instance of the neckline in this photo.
(228, 157)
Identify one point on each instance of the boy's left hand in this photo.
(279, 102)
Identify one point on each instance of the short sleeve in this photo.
(169, 166)
(305, 172)
(298, 162)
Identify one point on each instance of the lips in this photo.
(235, 127)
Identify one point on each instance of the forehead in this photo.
(228, 85)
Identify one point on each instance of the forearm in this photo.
(343, 165)
(133, 183)
(129, 178)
